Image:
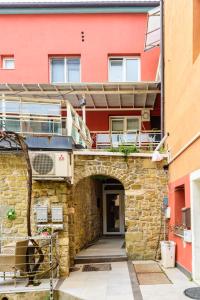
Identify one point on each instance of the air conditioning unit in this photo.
(49, 165)
(145, 115)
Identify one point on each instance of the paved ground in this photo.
(116, 284)
(105, 247)
(109, 285)
(120, 283)
(172, 291)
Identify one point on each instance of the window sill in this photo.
(179, 235)
(3, 69)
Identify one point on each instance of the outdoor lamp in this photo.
(82, 102)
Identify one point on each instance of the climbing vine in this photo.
(14, 140)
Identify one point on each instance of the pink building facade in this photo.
(65, 45)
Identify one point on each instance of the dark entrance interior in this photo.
(98, 204)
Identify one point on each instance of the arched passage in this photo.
(98, 202)
(144, 184)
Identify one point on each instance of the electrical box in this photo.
(42, 214)
(188, 236)
(167, 213)
(165, 201)
(145, 113)
(186, 217)
(57, 214)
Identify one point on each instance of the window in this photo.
(125, 124)
(65, 69)
(179, 205)
(124, 69)
(8, 63)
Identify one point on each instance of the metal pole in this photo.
(84, 114)
(51, 271)
(3, 113)
(162, 55)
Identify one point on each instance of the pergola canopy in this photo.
(153, 29)
(97, 95)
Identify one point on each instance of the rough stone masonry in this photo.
(145, 185)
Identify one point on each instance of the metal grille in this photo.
(96, 267)
(43, 164)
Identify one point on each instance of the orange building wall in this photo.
(32, 38)
(182, 88)
(182, 105)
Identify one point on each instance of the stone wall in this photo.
(145, 185)
(86, 221)
(13, 194)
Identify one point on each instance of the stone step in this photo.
(99, 259)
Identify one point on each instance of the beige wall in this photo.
(182, 83)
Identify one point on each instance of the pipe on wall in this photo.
(162, 53)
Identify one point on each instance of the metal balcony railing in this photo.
(142, 139)
(42, 118)
(28, 261)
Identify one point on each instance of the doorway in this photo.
(195, 213)
(113, 209)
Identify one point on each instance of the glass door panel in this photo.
(113, 212)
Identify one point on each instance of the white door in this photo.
(113, 212)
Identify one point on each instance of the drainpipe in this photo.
(162, 56)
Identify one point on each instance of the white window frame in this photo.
(124, 118)
(124, 59)
(66, 58)
(4, 62)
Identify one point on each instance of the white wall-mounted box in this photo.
(57, 214)
(168, 213)
(42, 214)
(187, 236)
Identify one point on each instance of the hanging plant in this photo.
(11, 214)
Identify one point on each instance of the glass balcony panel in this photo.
(42, 127)
(12, 107)
(10, 124)
(41, 109)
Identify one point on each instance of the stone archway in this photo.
(145, 185)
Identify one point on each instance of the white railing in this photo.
(142, 139)
(27, 261)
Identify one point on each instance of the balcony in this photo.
(51, 110)
(144, 140)
(42, 118)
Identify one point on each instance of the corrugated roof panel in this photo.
(153, 29)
